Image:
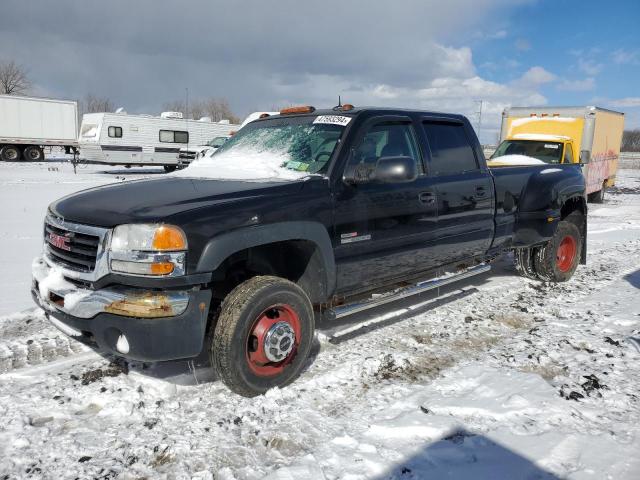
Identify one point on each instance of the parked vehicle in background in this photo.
(587, 135)
(27, 124)
(137, 140)
(186, 158)
(331, 211)
(187, 155)
(256, 116)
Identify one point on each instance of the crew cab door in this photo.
(464, 190)
(383, 230)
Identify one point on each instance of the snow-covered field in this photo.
(500, 377)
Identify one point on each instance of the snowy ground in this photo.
(501, 377)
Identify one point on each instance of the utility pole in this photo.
(479, 113)
(186, 114)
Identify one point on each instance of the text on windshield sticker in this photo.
(333, 119)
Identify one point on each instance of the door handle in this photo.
(427, 198)
(481, 191)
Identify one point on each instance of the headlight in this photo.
(148, 249)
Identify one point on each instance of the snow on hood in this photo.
(514, 160)
(242, 163)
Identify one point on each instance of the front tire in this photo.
(263, 335)
(33, 154)
(10, 153)
(170, 168)
(558, 259)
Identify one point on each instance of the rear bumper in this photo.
(88, 316)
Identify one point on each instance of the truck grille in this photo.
(72, 250)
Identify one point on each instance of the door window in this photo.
(390, 139)
(451, 151)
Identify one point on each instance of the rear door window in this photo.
(450, 148)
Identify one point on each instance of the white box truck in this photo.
(27, 124)
(587, 135)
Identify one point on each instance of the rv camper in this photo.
(136, 140)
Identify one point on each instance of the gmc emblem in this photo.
(59, 241)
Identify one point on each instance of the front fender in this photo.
(221, 247)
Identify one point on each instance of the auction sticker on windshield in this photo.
(333, 119)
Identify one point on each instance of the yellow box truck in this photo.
(587, 135)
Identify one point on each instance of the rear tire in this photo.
(33, 154)
(524, 262)
(558, 259)
(10, 153)
(263, 335)
(598, 197)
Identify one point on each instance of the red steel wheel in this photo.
(566, 253)
(557, 259)
(273, 340)
(263, 335)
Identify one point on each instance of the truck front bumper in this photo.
(139, 324)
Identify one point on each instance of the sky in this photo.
(266, 54)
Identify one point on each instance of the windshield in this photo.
(89, 130)
(281, 148)
(302, 143)
(547, 152)
(217, 142)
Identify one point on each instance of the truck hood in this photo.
(158, 199)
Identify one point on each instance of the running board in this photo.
(420, 287)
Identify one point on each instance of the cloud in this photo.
(523, 45)
(590, 67)
(535, 77)
(257, 54)
(628, 102)
(583, 85)
(622, 56)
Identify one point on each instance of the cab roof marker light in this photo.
(346, 107)
(301, 109)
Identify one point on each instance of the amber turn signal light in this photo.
(169, 238)
(163, 268)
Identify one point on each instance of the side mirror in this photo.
(585, 156)
(386, 170)
(395, 170)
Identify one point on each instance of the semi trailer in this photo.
(27, 124)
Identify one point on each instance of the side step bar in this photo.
(420, 287)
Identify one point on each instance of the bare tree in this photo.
(631, 141)
(95, 104)
(13, 79)
(216, 108)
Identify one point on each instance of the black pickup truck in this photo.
(344, 202)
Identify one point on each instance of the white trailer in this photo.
(28, 123)
(136, 140)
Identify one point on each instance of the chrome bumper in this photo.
(55, 293)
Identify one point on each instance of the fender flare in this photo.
(221, 247)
